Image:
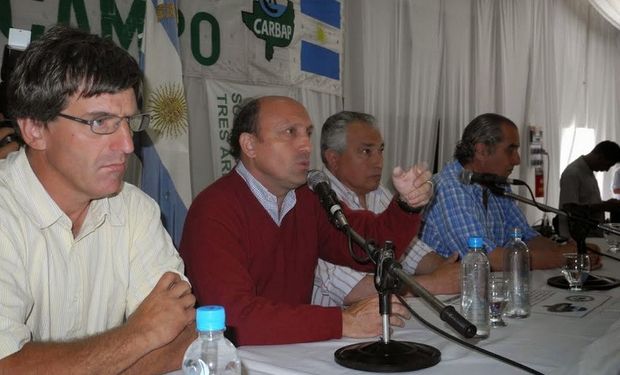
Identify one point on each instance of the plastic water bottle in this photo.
(475, 271)
(211, 353)
(517, 275)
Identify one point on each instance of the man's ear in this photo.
(331, 159)
(481, 151)
(32, 133)
(247, 141)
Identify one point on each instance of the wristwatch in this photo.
(407, 208)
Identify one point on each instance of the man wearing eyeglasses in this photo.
(90, 281)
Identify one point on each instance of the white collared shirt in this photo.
(54, 287)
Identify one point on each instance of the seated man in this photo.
(578, 184)
(490, 144)
(352, 151)
(89, 279)
(252, 239)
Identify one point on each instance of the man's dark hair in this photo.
(486, 129)
(245, 121)
(63, 62)
(608, 150)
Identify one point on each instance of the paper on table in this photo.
(575, 305)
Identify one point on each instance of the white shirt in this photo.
(333, 283)
(54, 287)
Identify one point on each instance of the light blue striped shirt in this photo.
(457, 212)
(266, 199)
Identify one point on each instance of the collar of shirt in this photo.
(376, 200)
(265, 198)
(499, 216)
(43, 209)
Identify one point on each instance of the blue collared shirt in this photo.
(458, 211)
(266, 199)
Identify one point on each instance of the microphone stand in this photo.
(579, 234)
(579, 227)
(387, 355)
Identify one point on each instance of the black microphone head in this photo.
(315, 177)
(466, 175)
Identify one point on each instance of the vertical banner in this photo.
(164, 148)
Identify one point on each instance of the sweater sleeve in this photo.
(393, 224)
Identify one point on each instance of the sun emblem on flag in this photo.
(168, 109)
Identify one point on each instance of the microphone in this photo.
(319, 183)
(468, 177)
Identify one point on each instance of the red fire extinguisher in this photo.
(539, 178)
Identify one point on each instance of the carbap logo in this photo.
(272, 22)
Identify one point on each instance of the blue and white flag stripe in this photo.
(319, 60)
(320, 49)
(157, 183)
(164, 148)
(327, 11)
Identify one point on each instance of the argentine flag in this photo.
(164, 147)
(321, 32)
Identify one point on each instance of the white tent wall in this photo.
(425, 68)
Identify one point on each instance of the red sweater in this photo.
(236, 256)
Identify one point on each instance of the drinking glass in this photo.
(498, 299)
(576, 269)
(613, 240)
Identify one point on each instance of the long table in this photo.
(548, 343)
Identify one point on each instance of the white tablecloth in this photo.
(547, 343)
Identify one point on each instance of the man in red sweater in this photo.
(252, 239)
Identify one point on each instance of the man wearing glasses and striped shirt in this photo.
(90, 281)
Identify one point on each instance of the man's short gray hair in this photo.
(334, 130)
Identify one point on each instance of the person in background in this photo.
(352, 151)
(90, 282)
(489, 144)
(579, 186)
(7, 143)
(252, 239)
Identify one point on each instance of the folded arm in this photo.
(156, 324)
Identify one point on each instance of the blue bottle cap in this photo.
(210, 318)
(474, 242)
(516, 233)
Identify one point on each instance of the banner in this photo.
(223, 101)
(163, 148)
(266, 42)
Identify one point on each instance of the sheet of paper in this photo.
(569, 304)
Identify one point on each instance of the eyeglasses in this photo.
(108, 124)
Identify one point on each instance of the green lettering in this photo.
(64, 13)
(36, 32)
(180, 22)
(215, 38)
(5, 17)
(111, 20)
